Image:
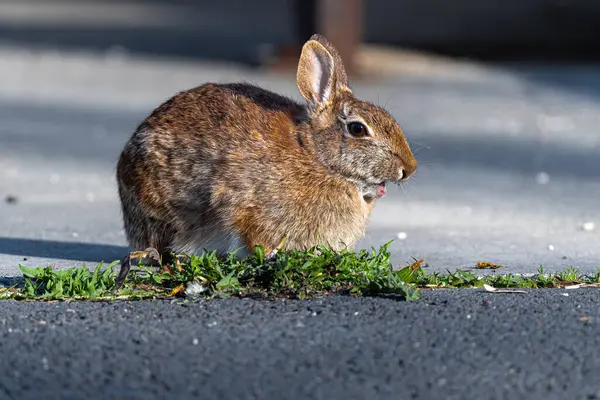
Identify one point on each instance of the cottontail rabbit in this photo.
(229, 166)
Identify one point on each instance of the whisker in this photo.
(407, 188)
(435, 163)
(415, 187)
(418, 149)
(411, 141)
(385, 106)
(402, 188)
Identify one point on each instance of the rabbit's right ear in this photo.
(316, 73)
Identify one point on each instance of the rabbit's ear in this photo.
(341, 78)
(316, 73)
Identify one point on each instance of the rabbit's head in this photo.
(354, 138)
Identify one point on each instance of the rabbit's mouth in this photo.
(380, 190)
(372, 191)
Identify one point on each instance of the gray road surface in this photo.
(464, 344)
(509, 157)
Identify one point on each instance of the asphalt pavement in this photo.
(459, 344)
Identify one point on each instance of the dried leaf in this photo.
(583, 285)
(486, 264)
(416, 265)
(573, 286)
(167, 268)
(178, 265)
(177, 290)
(596, 285)
(138, 254)
(492, 289)
(150, 253)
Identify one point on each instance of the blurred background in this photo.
(499, 100)
(257, 31)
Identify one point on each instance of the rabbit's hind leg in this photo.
(148, 237)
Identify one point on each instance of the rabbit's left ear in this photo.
(321, 72)
(316, 77)
(341, 78)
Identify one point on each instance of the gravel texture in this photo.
(461, 344)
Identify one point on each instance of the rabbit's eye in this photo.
(357, 129)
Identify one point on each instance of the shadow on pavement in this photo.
(61, 250)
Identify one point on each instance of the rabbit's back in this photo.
(183, 144)
(219, 119)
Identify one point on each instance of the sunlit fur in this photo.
(227, 165)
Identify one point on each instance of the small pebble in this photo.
(588, 226)
(401, 235)
(45, 364)
(195, 342)
(195, 288)
(10, 199)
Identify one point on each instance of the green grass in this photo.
(290, 274)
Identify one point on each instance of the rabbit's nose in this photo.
(402, 175)
(407, 171)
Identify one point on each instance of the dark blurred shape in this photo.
(305, 12)
(544, 30)
(340, 21)
(10, 199)
(261, 31)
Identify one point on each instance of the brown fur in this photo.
(226, 163)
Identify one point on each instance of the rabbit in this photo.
(231, 166)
